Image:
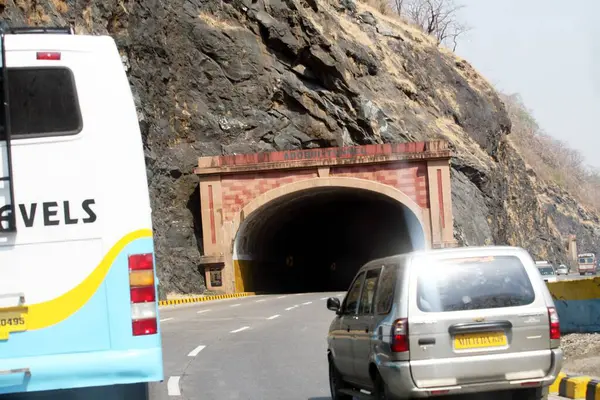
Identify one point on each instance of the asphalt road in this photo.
(252, 348)
(267, 347)
(574, 277)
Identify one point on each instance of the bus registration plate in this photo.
(12, 321)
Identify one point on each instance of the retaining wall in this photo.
(578, 304)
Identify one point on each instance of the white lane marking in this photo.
(166, 319)
(340, 295)
(282, 297)
(203, 311)
(273, 316)
(196, 351)
(261, 300)
(291, 308)
(307, 303)
(235, 305)
(243, 328)
(173, 386)
(324, 298)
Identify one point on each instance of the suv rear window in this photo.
(473, 283)
(43, 102)
(546, 270)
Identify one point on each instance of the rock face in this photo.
(235, 76)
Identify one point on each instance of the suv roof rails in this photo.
(68, 30)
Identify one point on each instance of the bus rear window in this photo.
(43, 102)
(473, 284)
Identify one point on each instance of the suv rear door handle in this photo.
(479, 327)
(426, 341)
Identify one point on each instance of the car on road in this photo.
(547, 271)
(562, 270)
(445, 322)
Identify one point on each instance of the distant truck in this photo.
(587, 263)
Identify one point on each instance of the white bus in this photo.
(77, 276)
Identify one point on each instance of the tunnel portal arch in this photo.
(392, 190)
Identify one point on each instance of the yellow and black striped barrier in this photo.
(199, 299)
(576, 387)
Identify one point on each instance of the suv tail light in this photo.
(554, 323)
(143, 294)
(400, 335)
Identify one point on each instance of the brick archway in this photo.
(232, 188)
(331, 181)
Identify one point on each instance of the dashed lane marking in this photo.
(291, 308)
(261, 300)
(235, 305)
(273, 316)
(282, 297)
(324, 298)
(196, 351)
(173, 386)
(307, 303)
(165, 319)
(203, 311)
(243, 328)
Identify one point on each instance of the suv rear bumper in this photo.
(77, 370)
(397, 375)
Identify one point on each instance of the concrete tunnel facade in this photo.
(306, 220)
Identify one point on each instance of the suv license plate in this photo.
(480, 340)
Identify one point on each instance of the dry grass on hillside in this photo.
(553, 160)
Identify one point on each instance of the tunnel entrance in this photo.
(306, 220)
(317, 239)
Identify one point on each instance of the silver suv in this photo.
(444, 322)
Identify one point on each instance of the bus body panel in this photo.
(82, 208)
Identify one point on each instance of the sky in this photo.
(549, 52)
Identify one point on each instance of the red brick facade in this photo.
(233, 187)
(239, 189)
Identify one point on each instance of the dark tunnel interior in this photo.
(316, 240)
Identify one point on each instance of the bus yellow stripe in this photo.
(48, 313)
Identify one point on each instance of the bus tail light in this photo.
(143, 294)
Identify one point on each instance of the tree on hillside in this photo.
(552, 159)
(438, 18)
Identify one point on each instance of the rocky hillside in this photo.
(213, 77)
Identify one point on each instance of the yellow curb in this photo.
(187, 300)
(555, 386)
(576, 387)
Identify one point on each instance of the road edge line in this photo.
(202, 299)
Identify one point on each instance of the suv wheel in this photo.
(381, 389)
(336, 383)
(528, 394)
